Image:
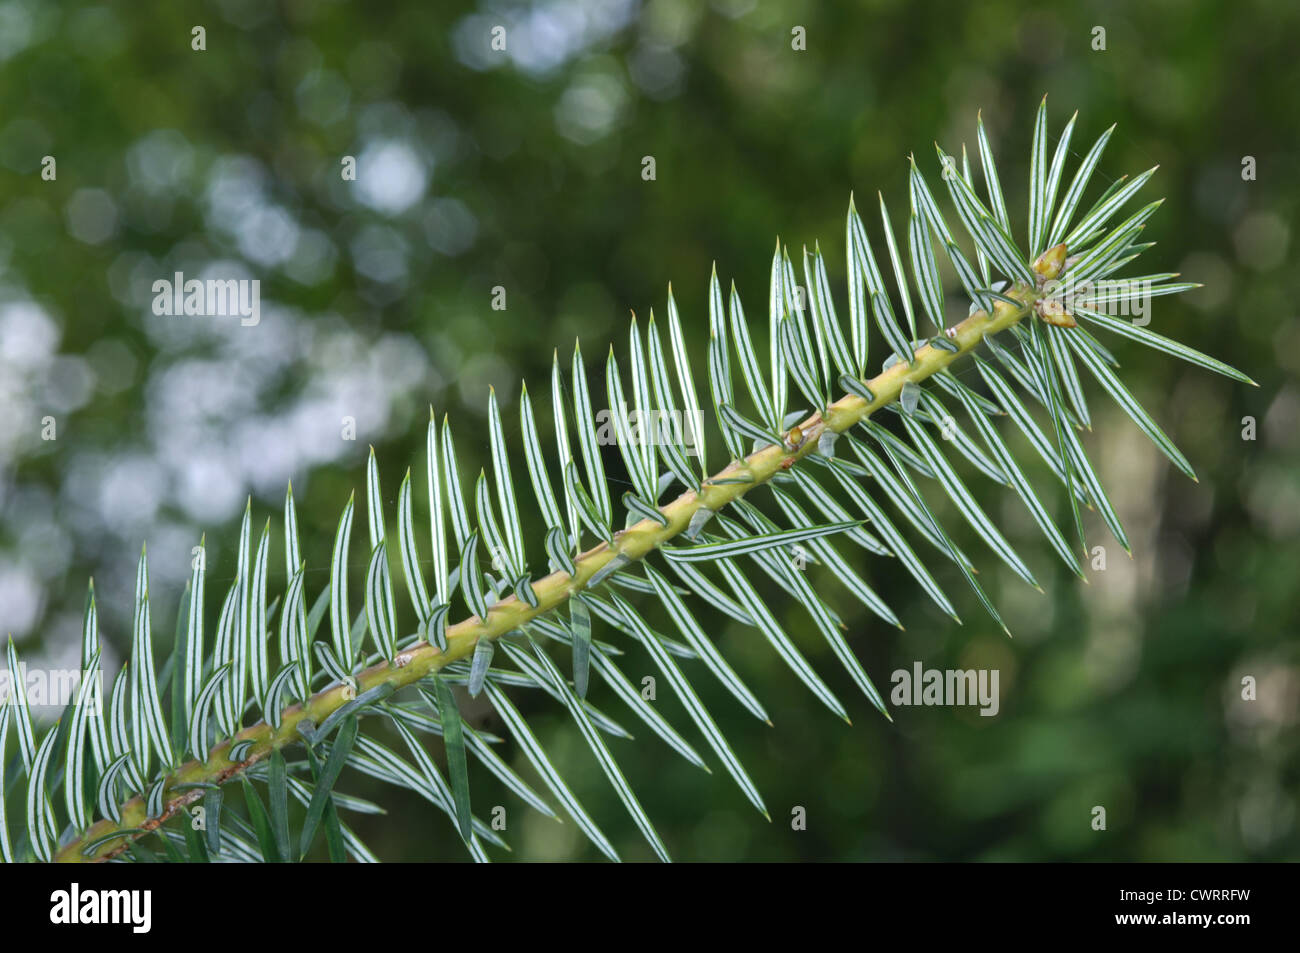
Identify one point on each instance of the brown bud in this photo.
(1053, 312)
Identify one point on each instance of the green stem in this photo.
(422, 659)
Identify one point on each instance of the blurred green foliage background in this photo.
(522, 169)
